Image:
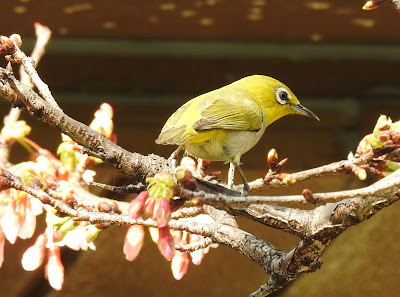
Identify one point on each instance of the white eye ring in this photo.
(282, 95)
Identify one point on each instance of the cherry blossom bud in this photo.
(308, 196)
(102, 122)
(5, 183)
(16, 38)
(185, 178)
(282, 163)
(148, 210)
(165, 178)
(137, 205)
(384, 135)
(163, 212)
(375, 142)
(153, 234)
(54, 270)
(372, 4)
(189, 164)
(359, 172)
(286, 179)
(179, 264)
(364, 147)
(272, 158)
(34, 255)
(15, 131)
(395, 126)
(166, 243)
(180, 173)
(104, 207)
(395, 136)
(133, 242)
(7, 42)
(197, 201)
(383, 123)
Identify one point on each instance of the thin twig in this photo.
(125, 189)
(43, 35)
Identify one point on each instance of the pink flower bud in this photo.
(163, 212)
(137, 205)
(133, 242)
(166, 243)
(148, 210)
(34, 255)
(179, 265)
(54, 270)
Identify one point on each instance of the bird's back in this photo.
(226, 108)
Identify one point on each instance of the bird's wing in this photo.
(219, 111)
(240, 114)
(174, 130)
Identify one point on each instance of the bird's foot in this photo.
(246, 190)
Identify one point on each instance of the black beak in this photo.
(298, 108)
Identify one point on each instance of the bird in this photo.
(225, 123)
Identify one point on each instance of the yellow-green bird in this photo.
(223, 124)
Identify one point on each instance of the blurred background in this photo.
(147, 58)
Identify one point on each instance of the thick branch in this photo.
(130, 163)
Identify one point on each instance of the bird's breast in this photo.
(223, 145)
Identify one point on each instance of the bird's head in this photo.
(273, 97)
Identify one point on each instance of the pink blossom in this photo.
(19, 216)
(133, 242)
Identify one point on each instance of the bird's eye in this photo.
(282, 96)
